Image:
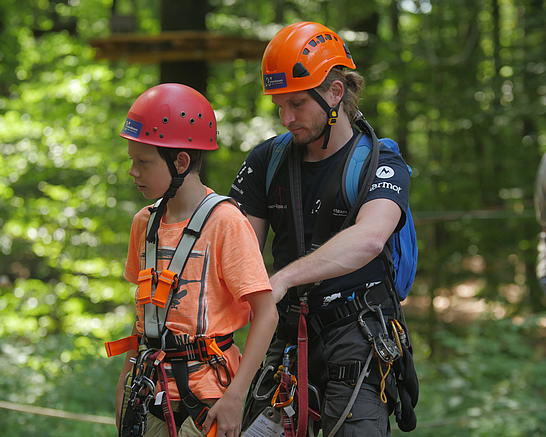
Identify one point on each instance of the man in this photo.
(307, 70)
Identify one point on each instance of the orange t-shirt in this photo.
(224, 266)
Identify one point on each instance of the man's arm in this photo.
(347, 251)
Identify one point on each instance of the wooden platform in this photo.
(177, 46)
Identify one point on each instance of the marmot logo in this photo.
(384, 172)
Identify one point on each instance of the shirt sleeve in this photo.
(240, 259)
(248, 188)
(391, 181)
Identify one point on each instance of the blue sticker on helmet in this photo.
(132, 128)
(274, 81)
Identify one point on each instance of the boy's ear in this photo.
(183, 161)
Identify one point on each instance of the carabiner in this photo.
(259, 382)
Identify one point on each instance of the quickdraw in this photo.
(284, 394)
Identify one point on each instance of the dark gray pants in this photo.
(369, 416)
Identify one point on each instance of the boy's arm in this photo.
(227, 412)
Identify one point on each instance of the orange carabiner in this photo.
(275, 404)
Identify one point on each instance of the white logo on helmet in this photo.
(384, 172)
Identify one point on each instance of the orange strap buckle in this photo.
(163, 289)
(207, 348)
(122, 345)
(145, 281)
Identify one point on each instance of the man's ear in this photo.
(183, 161)
(335, 92)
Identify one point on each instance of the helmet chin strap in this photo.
(332, 114)
(176, 182)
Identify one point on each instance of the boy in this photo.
(187, 332)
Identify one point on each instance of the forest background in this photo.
(458, 83)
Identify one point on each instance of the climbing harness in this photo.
(159, 346)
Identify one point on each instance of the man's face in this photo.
(301, 115)
(149, 170)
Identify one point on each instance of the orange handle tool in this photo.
(212, 430)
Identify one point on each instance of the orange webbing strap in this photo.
(145, 281)
(163, 289)
(122, 345)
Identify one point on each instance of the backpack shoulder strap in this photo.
(278, 150)
(355, 166)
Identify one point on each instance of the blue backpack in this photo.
(403, 244)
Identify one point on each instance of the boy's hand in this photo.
(227, 412)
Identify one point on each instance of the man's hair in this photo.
(354, 83)
(171, 154)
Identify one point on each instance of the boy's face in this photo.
(148, 170)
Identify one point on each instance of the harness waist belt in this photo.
(350, 309)
(202, 349)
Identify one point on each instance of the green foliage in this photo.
(489, 381)
(457, 84)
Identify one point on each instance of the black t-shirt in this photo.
(249, 189)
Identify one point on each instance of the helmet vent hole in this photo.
(313, 43)
(305, 51)
(200, 115)
(161, 135)
(147, 133)
(182, 114)
(192, 120)
(155, 128)
(320, 38)
(210, 123)
(189, 139)
(210, 140)
(335, 38)
(165, 120)
(328, 37)
(299, 70)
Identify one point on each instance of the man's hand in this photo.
(278, 286)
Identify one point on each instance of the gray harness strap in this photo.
(154, 316)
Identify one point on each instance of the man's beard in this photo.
(314, 136)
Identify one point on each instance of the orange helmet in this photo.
(300, 56)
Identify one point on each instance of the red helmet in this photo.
(300, 56)
(172, 115)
